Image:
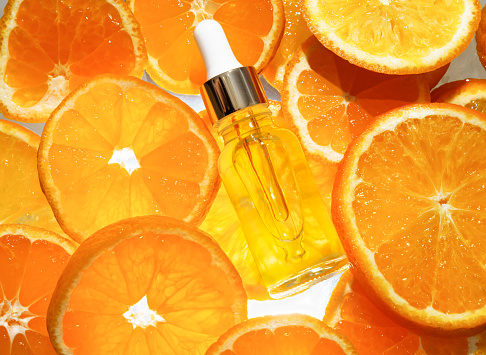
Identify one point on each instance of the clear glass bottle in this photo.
(263, 168)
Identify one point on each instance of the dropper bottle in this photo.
(263, 168)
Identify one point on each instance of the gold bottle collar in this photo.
(231, 91)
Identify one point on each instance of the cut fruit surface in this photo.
(330, 101)
(31, 260)
(409, 207)
(285, 334)
(22, 200)
(48, 47)
(470, 93)
(119, 147)
(145, 285)
(253, 29)
(372, 332)
(295, 33)
(481, 38)
(394, 37)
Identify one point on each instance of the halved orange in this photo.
(394, 37)
(22, 200)
(31, 261)
(470, 93)
(253, 28)
(371, 331)
(145, 285)
(119, 147)
(295, 33)
(48, 47)
(409, 205)
(329, 101)
(282, 335)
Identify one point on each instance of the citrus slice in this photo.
(409, 207)
(119, 147)
(31, 260)
(281, 335)
(295, 33)
(481, 38)
(47, 48)
(351, 313)
(330, 101)
(22, 200)
(394, 37)
(145, 285)
(253, 28)
(470, 93)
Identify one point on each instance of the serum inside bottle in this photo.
(263, 168)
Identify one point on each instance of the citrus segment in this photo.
(295, 33)
(253, 28)
(49, 47)
(408, 203)
(119, 147)
(330, 101)
(470, 93)
(145, 285)
(371, 331)
(281, 334)
(394, 37)
(31, 260)
(22, 200)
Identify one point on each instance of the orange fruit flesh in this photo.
(177, 55)
(55, 40)
(372, 332)
(145, 266)
(23, 200)
(409, 36)
(29, 272)
(469, 93)
(440, 199)
(117, 140)
(295, 32)
(292, 339)
(334, 101)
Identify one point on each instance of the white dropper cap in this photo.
(230, 86)
(215, 49)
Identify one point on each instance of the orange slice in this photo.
(295, 33)
(145, 285)
(119, 147)
(49, 47)
(22, 200)
(470, 93)
(281, 335)
(351, 313)
(409, 206)
(330, 101)
(31, 260)
(394, 37)
(253, 28)
(481, 38)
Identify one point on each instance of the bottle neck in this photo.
(244, 122)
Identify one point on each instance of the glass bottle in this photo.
(264, 170)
